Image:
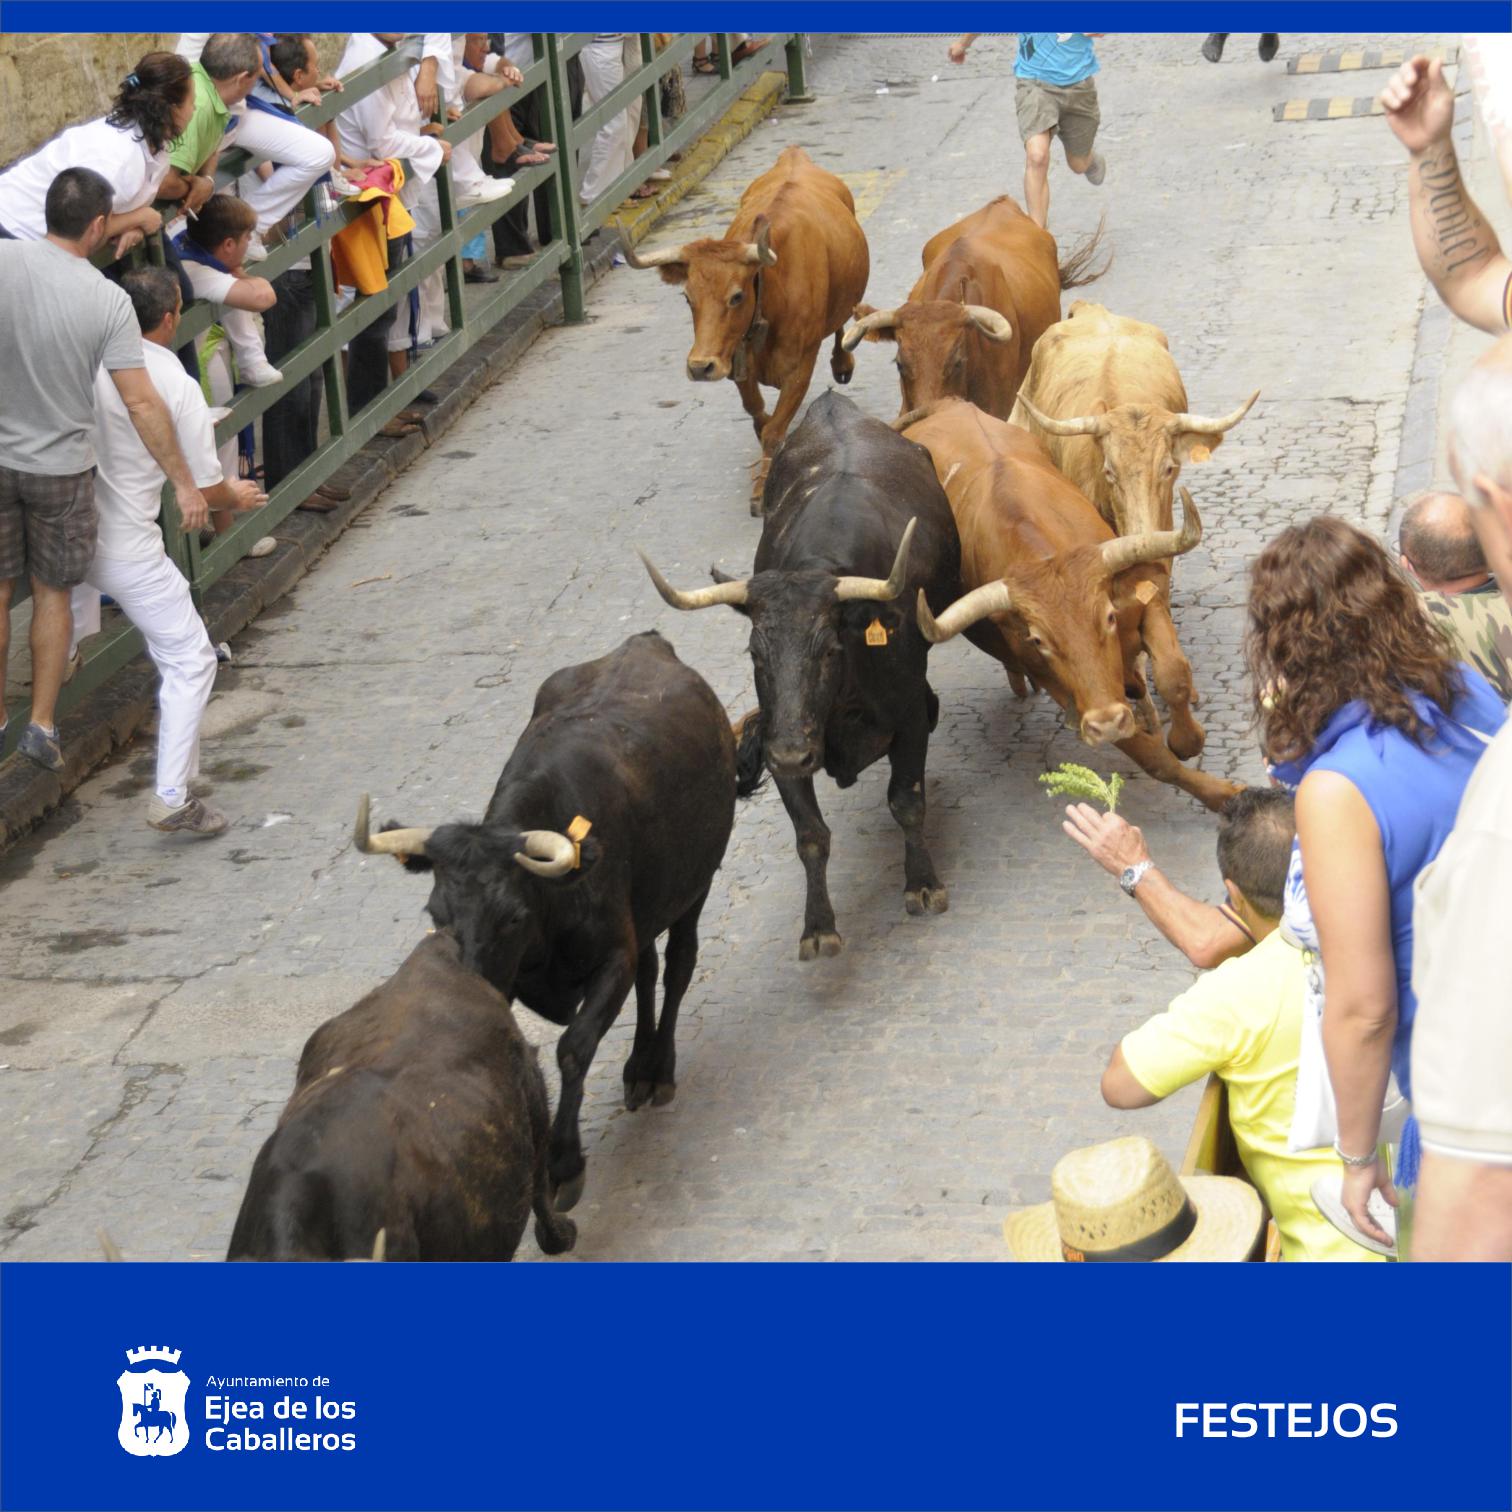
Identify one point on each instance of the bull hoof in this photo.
(664, 1093)
(637, 1094)
(566, 1196)
(843, 367)
(1215, 792)
(927, 900)
(821, 943)
(1187, 743)
(556, 1238)
(1147, 715)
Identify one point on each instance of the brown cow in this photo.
(1051, 592)
(787, 274)
(991, 285)
(1104, 396)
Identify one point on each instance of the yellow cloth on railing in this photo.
(359, 253)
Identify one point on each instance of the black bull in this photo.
(419, 1113)
(636, 746)
(838, 657)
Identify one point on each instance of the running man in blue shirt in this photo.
(1054, 92)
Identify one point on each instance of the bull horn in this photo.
(380, 1244)
(1203, 425)
(760, 250)
(878, 320)
(1152, 545)
(653, 259)
(990, 598)
(546, 853)
(1084, 425)
(880, 589)
(734, 592)
(111, 1248)
(399, 842)
(989, 322)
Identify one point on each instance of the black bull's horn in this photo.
(546, 853)
(738, 590)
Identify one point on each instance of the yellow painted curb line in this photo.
(634, 219)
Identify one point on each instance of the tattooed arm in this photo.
(1456, 245)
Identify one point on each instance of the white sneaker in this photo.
(264, 546)
(483, 190)
(258, 371)
(341, 186)
(256, 251)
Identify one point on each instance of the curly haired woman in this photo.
(1363, 707)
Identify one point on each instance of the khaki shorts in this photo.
(1071, 110)
(48, 526)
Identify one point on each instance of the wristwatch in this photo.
(1132, 876)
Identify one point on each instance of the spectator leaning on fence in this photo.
(1244, 1021)
(1439, 549)
(230, 64)
(131, 564)
(60, 322)
(1462, 1051)
(385, 124)
(606, 60)
(129, 147)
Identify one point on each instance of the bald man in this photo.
(1441, 553)
(1462, 1038)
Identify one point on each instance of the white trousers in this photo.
(426, 209)
(154, 596)
(302, 156)
(604, 66)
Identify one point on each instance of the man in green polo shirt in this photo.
(223, 77)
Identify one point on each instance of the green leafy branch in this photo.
(1069, 780)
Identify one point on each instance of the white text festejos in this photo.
(1243, 1420)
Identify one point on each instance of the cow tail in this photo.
(1076, 266)
(750, 768)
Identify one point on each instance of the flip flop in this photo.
(523, 157)
(547, 147)
(748, 49)
(398, 427)
(705, 66)
(645, 192)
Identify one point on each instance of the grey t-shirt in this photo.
(60, 321)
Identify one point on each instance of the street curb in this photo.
(1417, 451)
(737, 123)
(110, 716)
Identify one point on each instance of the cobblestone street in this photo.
(891, 1103)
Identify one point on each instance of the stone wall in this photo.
(49, 80)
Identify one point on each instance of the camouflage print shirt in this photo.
(1480, 625)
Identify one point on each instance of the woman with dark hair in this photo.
(1365, 710)
(129, 147)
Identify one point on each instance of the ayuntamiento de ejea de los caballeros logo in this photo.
(155, 1410)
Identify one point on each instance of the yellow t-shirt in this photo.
(1244, 1021)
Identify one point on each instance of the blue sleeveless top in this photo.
(1414, 794)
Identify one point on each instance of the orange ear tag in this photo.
(577, 832)
(1199, 453)
(876, 633)
(1146, 592)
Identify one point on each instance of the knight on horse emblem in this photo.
(153, 1393)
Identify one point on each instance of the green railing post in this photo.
(797, 90)
(565, 178)
(722, 50)
(651, 101)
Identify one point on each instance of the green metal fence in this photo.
(573, 222)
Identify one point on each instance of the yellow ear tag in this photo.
(577, 832)
(1200, 453)
(876, 633)
(1146, 592)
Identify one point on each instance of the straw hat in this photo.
(1122, 1201)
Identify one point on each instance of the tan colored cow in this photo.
(785, 276)
(1104, 396)
(991, 285)
(1051, 593)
